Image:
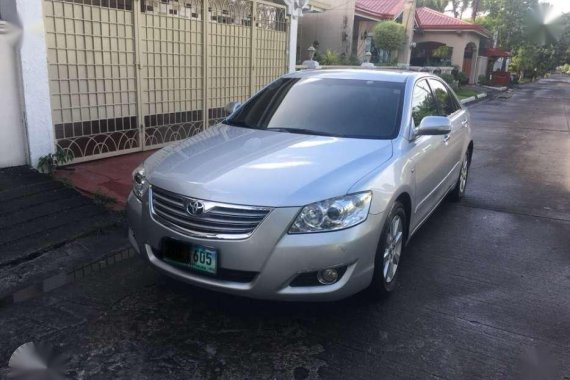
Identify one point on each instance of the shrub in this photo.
(351, 61)
(49, 163)
(389, 36)
(329, 57)
(448, 78)
(462, 78)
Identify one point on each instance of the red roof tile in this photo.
(383, 9)
(427, 18)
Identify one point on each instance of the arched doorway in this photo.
(469, 57)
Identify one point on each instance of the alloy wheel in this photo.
(463, 174)
(393, 250)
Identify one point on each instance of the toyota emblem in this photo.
(194, 207)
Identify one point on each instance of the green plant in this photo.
(350, 61)
(462, 78)
(448, 78)
(329, 57)
(389, 36)
(50, 162)
(443, 52)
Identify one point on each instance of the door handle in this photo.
(464, 122)
(446, 139)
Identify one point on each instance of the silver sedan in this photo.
(310, 190)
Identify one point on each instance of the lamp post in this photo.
(295, 10)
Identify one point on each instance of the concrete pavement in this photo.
(483, 290)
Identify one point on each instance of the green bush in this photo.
(350, 61)
(389, 36)
(329, 57)
(462, 78)
(448, 78)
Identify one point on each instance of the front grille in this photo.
(218, 220)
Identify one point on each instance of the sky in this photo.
(560, 5)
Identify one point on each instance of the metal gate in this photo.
(129, 75)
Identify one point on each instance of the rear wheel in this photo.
(389, 252)
(459, 190)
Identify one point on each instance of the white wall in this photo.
(12, 135)
(332, 28)
(34, 83)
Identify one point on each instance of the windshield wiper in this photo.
(303, 131)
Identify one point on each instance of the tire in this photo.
(459, 190)
(388, 255)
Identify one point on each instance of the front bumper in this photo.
(276, 257)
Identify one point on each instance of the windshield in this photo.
(325, 106)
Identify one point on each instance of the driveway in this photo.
(484, 288)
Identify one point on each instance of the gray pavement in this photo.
(483, 290)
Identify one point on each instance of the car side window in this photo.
(447, 103)
(423, 102)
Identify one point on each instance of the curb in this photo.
(500, 89)
(65, 278)
(474, 98)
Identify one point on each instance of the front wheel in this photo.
(459, 191)
(389, 252)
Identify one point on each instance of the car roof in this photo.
(398, 76)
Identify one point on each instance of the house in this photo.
(100, 78)
(444, 40)
(436, 38)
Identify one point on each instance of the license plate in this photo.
(204, 259)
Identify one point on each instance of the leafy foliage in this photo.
(520, 27)
(448, 78)
(329, 57)
(49, 162)
(389, 35)
(438, 5)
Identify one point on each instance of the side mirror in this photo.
(433, 125)
(232, 107)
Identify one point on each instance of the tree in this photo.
(389, 36)
(438, 5)
(475, 4)
(458, 7)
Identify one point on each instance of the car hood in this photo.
(264, 168)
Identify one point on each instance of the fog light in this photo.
(327, 276)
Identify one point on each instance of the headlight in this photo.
(333, 214)
(139, 182)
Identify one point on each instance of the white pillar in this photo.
(295, 10)
(32, 60)
(13, 143)
(293, 28)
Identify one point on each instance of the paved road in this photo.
(484, 289)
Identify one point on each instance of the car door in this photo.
(427, 153)
(454, 141)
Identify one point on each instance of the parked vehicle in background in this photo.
(308, 191)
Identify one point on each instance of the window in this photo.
(325, 106)
(446, 100)
(423, 102)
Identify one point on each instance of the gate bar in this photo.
(138, 72)
(205, 71)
